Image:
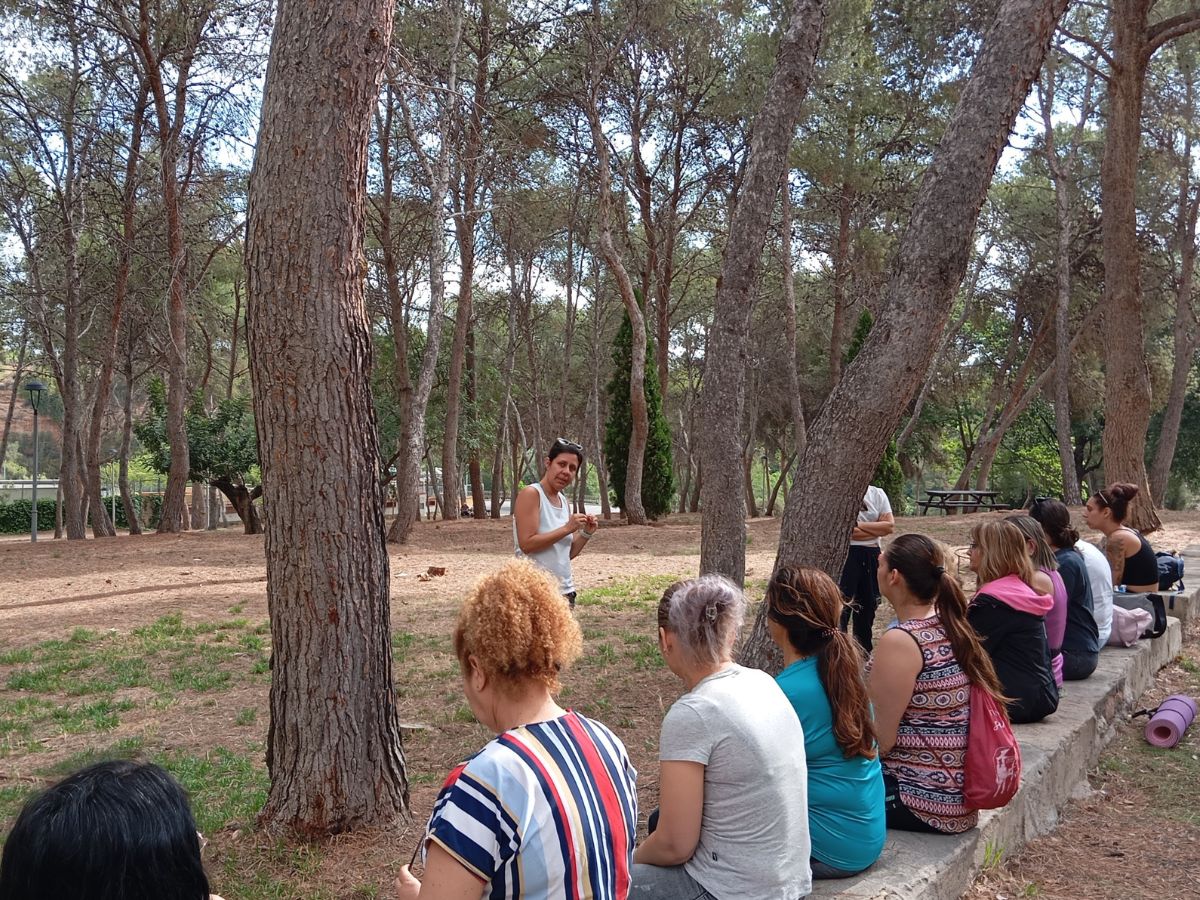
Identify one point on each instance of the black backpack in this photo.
(1170, 571)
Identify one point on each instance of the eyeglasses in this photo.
(203, 841)
(1103, 498)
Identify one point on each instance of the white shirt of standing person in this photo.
(875, 508)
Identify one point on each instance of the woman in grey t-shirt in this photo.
(733, 816)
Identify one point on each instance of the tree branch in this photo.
(1169, 29)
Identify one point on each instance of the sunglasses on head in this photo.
(564, 444)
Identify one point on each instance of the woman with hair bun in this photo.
(1130, 555)
(822, 677)
(1009, 615)
(733, 815)
(919, 681)
(1081, 638)
(549, 807)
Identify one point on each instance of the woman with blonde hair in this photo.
(549, 807)
(733, 815)
(1009, 614)
(919, 681)
(822, 678)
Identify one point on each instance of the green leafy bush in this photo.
(15, 515)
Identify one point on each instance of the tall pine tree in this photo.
(889, 475)
(658, 479)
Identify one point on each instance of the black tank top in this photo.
(1142, 567)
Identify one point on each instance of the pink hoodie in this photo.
(1014, 592)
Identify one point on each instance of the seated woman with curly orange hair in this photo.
(548, 808)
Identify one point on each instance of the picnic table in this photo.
(961, 501)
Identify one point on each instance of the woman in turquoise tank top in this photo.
(823, 680)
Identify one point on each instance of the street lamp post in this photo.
(35, 389)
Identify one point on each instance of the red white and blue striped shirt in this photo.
(543, 811)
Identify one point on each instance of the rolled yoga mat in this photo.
(1170, 721)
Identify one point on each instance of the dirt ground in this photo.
(50, 589)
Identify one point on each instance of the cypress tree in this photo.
(658, 477)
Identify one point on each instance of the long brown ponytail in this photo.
(923, 566)
(807, 604)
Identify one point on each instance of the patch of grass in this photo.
(12, 798)
(603, 655)
(402, 643)
(1188, 665)
(98, 716)
(246, 716)
(249, 875)
(123, 749)
(225, 788)
(634, 593)
(236, 609)
(463, 713)
(164, 656)
(642, 650)
(17, 656)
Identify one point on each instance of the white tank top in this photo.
(555, 559)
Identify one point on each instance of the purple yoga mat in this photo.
(1172, 719)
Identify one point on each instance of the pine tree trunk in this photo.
(131, 511)
(850, 435)
(101, 525)
(334, 745)
(198, 513)
(799, 428)
(174, 517)
(723, 528)
(438, 175)
(631, 503)
(1126, 375)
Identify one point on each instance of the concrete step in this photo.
(1056, 755)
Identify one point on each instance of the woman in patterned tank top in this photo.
(919, 680)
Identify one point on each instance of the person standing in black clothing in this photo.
(860, 581)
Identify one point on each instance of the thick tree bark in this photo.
(334, 744)
(723, 528)
(848, 438)
(1127, 393)
(1126, 375)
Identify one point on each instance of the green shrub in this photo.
(15, 515)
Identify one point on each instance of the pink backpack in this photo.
(993, 762)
